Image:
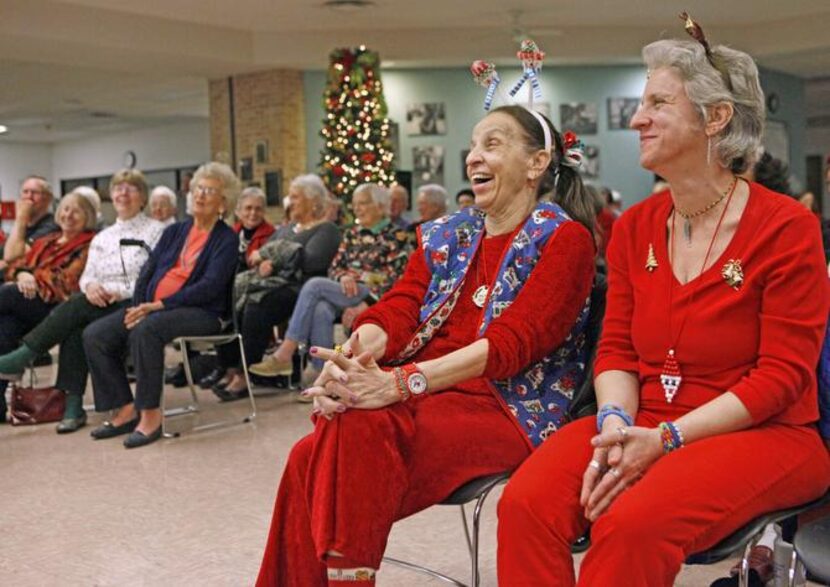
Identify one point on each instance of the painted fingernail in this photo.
(349, 354)
(313, 350)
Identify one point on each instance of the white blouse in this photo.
(115, 266)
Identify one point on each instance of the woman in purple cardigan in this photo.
(183, 290)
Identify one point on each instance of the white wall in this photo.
(17, 160)
(176, 145)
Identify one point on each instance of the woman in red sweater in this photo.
(483, 339)
(706, 383)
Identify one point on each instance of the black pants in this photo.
(65, 326)
(18, 315)
(107, 341)
(256, 324)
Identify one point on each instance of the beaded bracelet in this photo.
(612, 410)
(670, 436)
(400, 382)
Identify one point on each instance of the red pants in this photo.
(346, 484)
(687, 501)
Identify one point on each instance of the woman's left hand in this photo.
(27, 285)
(357, 381)
(138, 313)
(640, 448)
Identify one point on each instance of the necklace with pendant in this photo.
(687, 216)
(671, 376)
(480, 294)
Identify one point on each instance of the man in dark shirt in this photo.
(34, 218)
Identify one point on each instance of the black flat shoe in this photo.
(211, 379)
(68, 425)
(137, 439)
(225, 395)
(219, 386)
(108, 429)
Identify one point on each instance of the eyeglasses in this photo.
(124, 188)
(201, 190)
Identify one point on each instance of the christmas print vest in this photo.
(539, 397)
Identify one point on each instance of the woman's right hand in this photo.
(97, 295)
(265, 268)
(602, 460)
(27, 285)
(349, 286)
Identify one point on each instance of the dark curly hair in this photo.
(773, 174)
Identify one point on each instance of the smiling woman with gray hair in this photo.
(273, 304)
(717, 302)
(184, 289)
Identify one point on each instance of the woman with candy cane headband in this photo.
(717, 300)
(461, 370)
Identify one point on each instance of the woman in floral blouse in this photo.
(46, 276)
(371, 257)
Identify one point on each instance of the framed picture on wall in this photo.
(273, 188)
(426, 118)
(621, 111)
(590, 164)
(579, 117)
(261, 151)
(428, 165)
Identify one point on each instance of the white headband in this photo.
(545, 128)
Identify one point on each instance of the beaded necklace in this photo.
(670, 376)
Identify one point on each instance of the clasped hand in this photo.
(138, 313)
(351, 378)
(26, 285)
(622, 455)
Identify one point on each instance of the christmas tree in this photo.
(355, 128)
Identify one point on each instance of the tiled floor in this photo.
(187, 511)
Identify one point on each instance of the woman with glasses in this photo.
(183, 290)
(106, 285)
(45, 277)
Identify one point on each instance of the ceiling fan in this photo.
(519, 31)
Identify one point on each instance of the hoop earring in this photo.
(708, 151)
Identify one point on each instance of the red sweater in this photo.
(761, 341)
(532, 327)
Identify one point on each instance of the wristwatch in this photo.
(411, 381)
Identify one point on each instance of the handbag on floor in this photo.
(32, 405)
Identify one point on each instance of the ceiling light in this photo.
(3, 129)
(348, 5)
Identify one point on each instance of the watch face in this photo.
(417, 383)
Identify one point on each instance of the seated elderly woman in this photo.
(106, 285)
(183, 290)
(252, 227)
(717, 301)
(46, 276)
(163, 205)
(486, 335)
(371, 257)
(274, 300)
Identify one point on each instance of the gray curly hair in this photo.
(735, 82)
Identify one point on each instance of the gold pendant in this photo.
(733, 274)
(651, 261)
(480, 296)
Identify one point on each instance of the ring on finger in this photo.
(623, 433)
(614, 472)
(595, 464)
(338, 349)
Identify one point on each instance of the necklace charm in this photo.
(651, 260)
(670, 377)
(687, 231)
(733, 274)
(480, 296)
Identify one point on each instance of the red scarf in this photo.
(46, 252)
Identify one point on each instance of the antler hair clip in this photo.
(696, 32)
